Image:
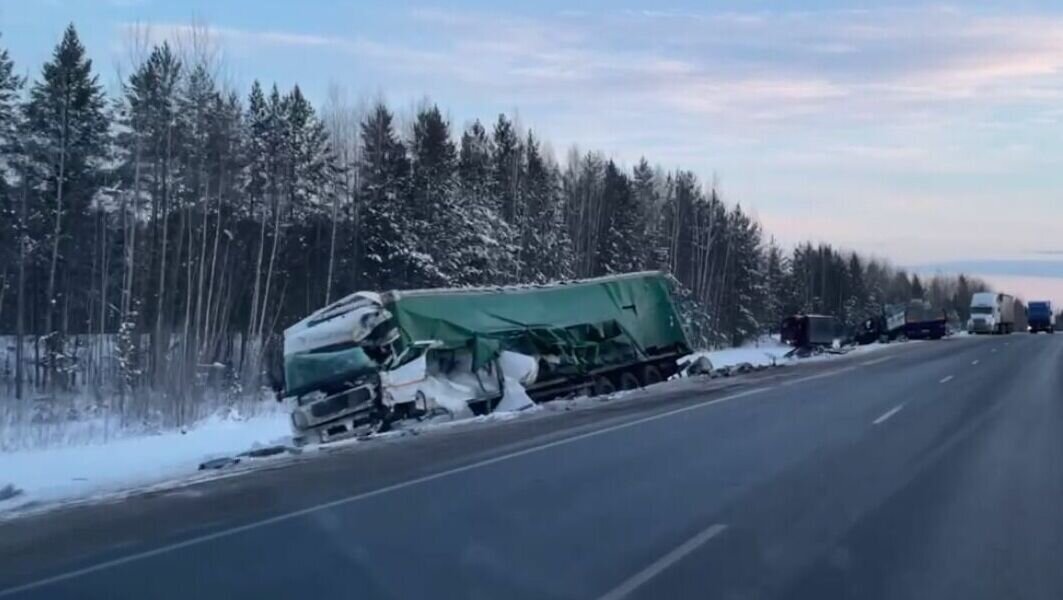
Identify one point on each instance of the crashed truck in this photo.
(370, 359)
(914, 321)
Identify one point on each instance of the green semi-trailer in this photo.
(371, 358)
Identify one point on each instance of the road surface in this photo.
(929, 470)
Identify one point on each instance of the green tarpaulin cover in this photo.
(581, 324)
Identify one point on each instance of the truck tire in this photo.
(651, 375)
(628, 381)
(602, 386)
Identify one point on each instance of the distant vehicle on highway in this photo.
(807, 331)
(923, 321)
(1039, 317)
(916, 320)
(991, 312)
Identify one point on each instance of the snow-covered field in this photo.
(63, 473)
(42, 477)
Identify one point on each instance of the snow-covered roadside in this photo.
(57, 475)
(64, 473)
(766, 352)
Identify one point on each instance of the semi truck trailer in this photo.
(372, 358)
(1039, 317)
(991, 312)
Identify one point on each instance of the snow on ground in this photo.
(765, 352)
(769, 351)
(54, 475)
(63, 473)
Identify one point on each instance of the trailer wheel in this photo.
(603, 387)
(651, 375)
(628, 381)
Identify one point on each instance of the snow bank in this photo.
(58, 474)
(757, 356)
(765, 352)
(769, 351)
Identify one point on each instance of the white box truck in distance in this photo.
(991, 313)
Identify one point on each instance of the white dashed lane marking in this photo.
(888, 414)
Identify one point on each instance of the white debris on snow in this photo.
(514, 398)
(453, 391)
(57, 474)
(765, 352)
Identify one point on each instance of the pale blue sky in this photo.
(925, 133)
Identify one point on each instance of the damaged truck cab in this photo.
(370, 359)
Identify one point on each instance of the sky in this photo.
(928, 134)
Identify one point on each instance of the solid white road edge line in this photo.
(364, 495)
(888, 414)
(820, 376)
(639, 579)
(868, 363)
(946, 379)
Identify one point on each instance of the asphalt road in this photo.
(930, 470)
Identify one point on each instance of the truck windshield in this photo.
(1039, 308)
(981, 310)
(309, 371)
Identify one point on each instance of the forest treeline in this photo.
(190, 221)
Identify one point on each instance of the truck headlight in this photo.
(299, 420)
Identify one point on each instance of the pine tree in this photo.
(622, 237)
(487, 248)
(546, 250)
(392, 259)
(742, 283)
(13, 226)
(66, 143)
(474, 165)
(10, 119)
(584, 185)
(777, 300)
(644, 188)
(312, 173)
(432, 195)
(505, 169)
(149, 139)
(10, 163)
(917, 288)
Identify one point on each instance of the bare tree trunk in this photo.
(255, 296)
(160, 344)
(332, 248)
(207, 318)
(20, 323)
(56, 233)
(3, 293)
(269, 272)
(204, 203)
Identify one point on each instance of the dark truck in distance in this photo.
(812, 331)
(1039, 317)
(916, 320)
(923, 321)
(372, 358)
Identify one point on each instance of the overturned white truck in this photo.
(370, 359)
